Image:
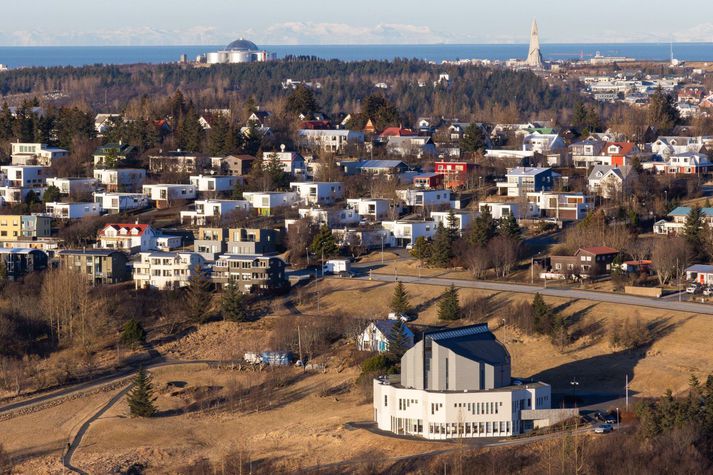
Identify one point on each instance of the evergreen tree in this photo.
(141, 399)
(508, 227)
(233, 304)
(421, 249)
(251, 140)
(133, 333)
(398, 342)
(448, 305)
(198, 296)
(695, 233)
(302, 101)
(542, 314)
(453, 228)
(473, 140)
(324, 244)
(51, 194)
(218, 136)
(275, 173)
(663, 113)
(483, 230)
(442, 248)
(399, 301)
(190, 131)
(31, 198)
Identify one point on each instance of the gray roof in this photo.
(474, 342)
(387, 326)
(18, 250)
(700, 268)
(526, 171)
(604, 169)
(381, 164)
(89, 252)
(242, 45)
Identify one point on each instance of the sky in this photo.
(287, 22)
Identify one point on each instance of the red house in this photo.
(428, 180)
(455, 173)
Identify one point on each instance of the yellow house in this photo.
(10, 227)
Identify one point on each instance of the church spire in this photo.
(534, 57)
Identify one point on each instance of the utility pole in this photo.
(627, 392)
(299, 345)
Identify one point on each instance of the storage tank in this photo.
(240, 57)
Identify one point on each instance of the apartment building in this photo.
(522, 180)
(166, 270)
(251, 274)
(36, 154)
(100, 266)
(17, 227)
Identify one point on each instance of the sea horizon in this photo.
(75, 55)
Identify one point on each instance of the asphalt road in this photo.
(552, 292)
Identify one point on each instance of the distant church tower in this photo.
(534, 57)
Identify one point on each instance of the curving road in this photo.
(556, 292)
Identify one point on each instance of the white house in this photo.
(456, 383)
(562, 206)
(314, 192)
(121, 179)
(215, 183)
(405, 232)
(330, 141)
(36, 154)
(166, 270)
(429, 198)
(204, 210)
(505, 209)
(117, 203)
(19, 180)
(131, 238)
(415, 145)
(72, 210)
(543, 143)
(377, 334)
(463, 219)
(104, 122)
(266, 202)
(292, 162)
(330, 217)
(166, 195)
(606, 181)
(73, 186)
(374, 209)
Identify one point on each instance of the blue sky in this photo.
(134, 22)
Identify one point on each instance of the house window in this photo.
(386, 400)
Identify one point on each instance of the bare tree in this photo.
(504, 254)
(299, 239)
(477, 259)
(670, 256)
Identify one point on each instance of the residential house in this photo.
(20, 180)
(561, 206)
(292, 162)
(607, 181)
(520, 181)
(202, 212)
(619, 154)
(268, 201)
(411, 146)
(252, 241)
(700, 273)
(330, 217)
(73, 186)
(235, 165)
(211, 242)
(179, 162)
(330, 141)
(456, 383)
(381, 167)
(374, 209)
(105, 122)
(404, 233)
(543, 143)
(215, 183)
(378, 334)
(114, 155)
(678, 221)
(167, 195)
(100, 266)
(429, 180)
(14, 227)
(36, 154)
(19, 262)
(688, 163)
(502, 210)
(456, 174)
(125, 180)
(587, 263)
(131, 238)
(251, 274)
(72, 210)
(318, 193)
(425, 198)
(166, 270)
(587, 152)
(118, 203)
(461, 219)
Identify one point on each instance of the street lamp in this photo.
(382, 248)
(574, 383)
(618, 425)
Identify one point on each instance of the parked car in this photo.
(610, 419)
(707, 291)
(603, 429)
(694, 288)
(402, 316)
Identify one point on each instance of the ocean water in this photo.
(16, 56)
